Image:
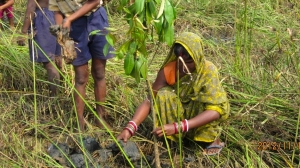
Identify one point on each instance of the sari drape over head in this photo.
(200, 91)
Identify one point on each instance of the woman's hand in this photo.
(124, 135)
(168, 128)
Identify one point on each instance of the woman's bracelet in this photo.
(175, 127)
(187, 125)
(130, 130)
(131, 127)
(183, 125)
(134, 124)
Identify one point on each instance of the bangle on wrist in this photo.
(175, 127)
(130, 130)
(182, 125)
(186, 124)
(134, 125)
(131, 127)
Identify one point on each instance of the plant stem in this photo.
(156, 151)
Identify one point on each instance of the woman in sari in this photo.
(202, 103)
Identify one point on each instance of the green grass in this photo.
(255, 45)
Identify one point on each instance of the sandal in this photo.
(217, 149)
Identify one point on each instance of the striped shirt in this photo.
(68, 7)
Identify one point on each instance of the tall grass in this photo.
(255, 45)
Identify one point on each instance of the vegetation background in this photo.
(255, 45)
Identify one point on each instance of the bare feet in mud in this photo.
(214, 148)
(81, 124)
(105, 121)
(97, 124)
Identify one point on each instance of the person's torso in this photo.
(68, 7)
(43, 3)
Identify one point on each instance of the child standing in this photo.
(81, 18)
(7, 7)
(48, 49)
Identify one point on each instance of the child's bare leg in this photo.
(98, 73)
(53, 77)
(11, 23)
(81, 79)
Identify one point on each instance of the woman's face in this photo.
(187, 59)
(189, 62)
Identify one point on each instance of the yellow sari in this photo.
(199, 91)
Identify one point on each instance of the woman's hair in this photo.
(179, 50)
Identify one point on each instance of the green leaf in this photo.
(132, 47)
(148, 16)
(150, 12)
(105, 49)
(119, 55)
(123, 3)
(95, 32)
(128, 63)
(158, 25)
(161, 33)
(130, 23)
(110, 39)
(161, 9)
(141, 25)
(110, 29)
(132, 9)
(127, 11)
(143, 68)
(139, 5)
(137, 70)
(169, 34)
(169, 12)
(142, 49)
(152, 8)
(124, 47)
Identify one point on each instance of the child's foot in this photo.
(100, 124)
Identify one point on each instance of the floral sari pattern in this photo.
(200, 91)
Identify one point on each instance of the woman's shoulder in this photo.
(209, 66)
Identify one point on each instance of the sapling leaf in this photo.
(161, 9)
(128, 63)
(139, 5)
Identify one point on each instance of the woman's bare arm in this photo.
(143, 110)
